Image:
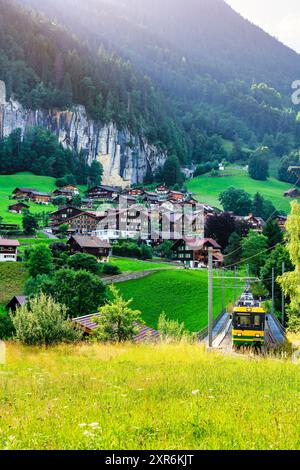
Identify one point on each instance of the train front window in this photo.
(258, 321)
(243, 320)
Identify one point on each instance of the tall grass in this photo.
(146, 397)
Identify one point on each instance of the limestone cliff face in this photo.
(125, 158)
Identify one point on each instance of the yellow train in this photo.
(248, 322)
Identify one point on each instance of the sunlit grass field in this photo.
(12, 279)
(146, 397)
(181, 294)
(26, 180)
(208, 189)
(132, 265)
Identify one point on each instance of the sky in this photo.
(281, 18)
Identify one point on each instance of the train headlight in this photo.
(240, 334)
(257, 336)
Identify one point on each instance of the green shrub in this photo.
(170, 329)
(43, 322)
(7, 329)
(110, 270)
(84, 261)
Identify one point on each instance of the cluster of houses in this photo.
(21, 195)
(153, 217)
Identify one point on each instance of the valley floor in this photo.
(146, 397)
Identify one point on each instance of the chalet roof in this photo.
(90, 242)
(7, 242)
(39, 193)
(18, 204)
(194, 243)
(144, 333)
(63, 208)
(20, 299)
(63, 190)
(24, 190)
(106, 188)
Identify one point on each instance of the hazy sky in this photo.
(281, 18)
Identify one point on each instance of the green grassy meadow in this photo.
(208, 189)
(132, 265)
(181, 294)
(12, 279)
(169, 397)
(9, 182)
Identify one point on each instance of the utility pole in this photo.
(283, 300)
(210, 297)
(273, 291)
(234, 285)
(223, 287)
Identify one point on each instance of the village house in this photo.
(255, 223)
(66, 193)
(62, 215)
(103, 193)
(91, 245)
(40, 198)
(18, 207)
(136, 192)
(32, 194)
(16, 302)
(72, 188)
(22, 193)
(292, 193)
(8, 250)
(193, 252)
(84, 223)
(281, 219)
(162, 190)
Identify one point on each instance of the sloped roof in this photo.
(145, 333)
(90, 242)
(7, 242)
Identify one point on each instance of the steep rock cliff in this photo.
(125, 158)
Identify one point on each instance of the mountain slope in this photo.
(209, 33)
(202, 55)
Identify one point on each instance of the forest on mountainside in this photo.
(186, 89)
(44, 66)
(224, 77)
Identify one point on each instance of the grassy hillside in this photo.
(9, 182)
(208, 189)
(182, 295)
(135, 265)
(12, 279)
(146, 397)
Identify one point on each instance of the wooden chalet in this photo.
(193, 252)
(63, 214)
(162, 190)
(84, 223)
(103, 193)
(72, 188)
(281, 219)
(18, 207)
(8, 250)
(16, 302)
(254, 223)
(61, 192)
(136, 192)
(292, 193)
(90, 245)
(22, 193)
(176, 197)
(32, 194)
(40, 198)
